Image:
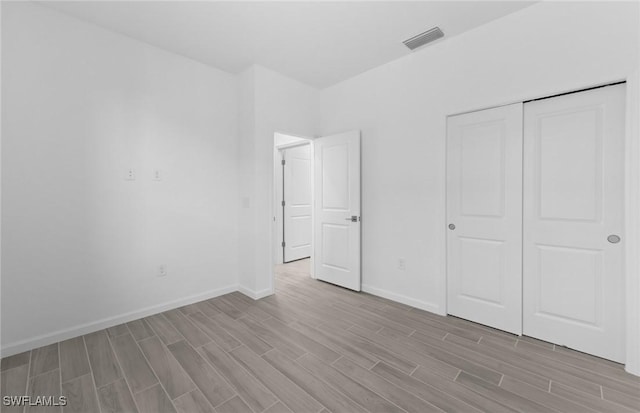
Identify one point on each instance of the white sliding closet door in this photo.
(484, 212)
(573, 221)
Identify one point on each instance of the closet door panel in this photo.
(573, 208)
(484, 212)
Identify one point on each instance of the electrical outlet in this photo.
(157, 175)
(130, 174)
(402, 264)
(162, 271)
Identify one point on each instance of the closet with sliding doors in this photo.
(535, 196)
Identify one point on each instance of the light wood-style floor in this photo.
(314, 347)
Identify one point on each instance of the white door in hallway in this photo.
(573, 221)
(297, 202)
(337, 209)
(484, 217)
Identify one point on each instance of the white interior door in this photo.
(297, 202)
(484, 212)
(573, 201)
(337, 209)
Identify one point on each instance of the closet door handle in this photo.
(613, 238)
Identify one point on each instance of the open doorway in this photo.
(293, 206)
(331, 171)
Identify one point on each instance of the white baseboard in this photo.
(60, 335)
(631, 368)
(256, 295)
(403, 299)
(82, 329)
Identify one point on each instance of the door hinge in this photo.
(283, 244)
(283, 162)
(282, 203)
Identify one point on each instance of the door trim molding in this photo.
(291, 145)
(632, 224)
(545, 96)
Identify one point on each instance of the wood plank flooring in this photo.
(313, 348)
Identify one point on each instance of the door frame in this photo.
(276, 205)
(631, 262)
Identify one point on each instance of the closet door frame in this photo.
(631, 260)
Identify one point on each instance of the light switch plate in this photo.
(130, 174)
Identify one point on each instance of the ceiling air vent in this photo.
(423, 38)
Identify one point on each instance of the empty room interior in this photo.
(320, 206)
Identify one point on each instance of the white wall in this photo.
(81, 246)
(401, 108)
(280, 105)
(247, 176)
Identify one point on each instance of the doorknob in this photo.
(613, 238)
(452, 227)
(354, 218)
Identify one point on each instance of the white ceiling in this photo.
(319, 43)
